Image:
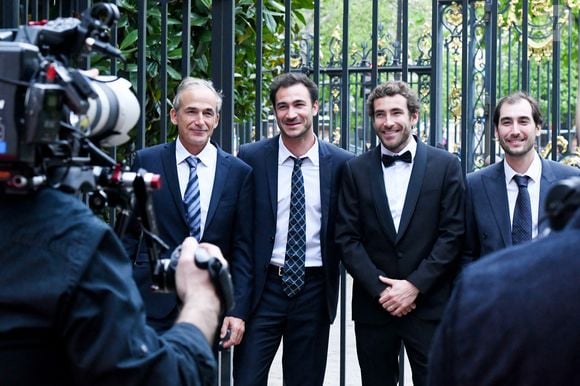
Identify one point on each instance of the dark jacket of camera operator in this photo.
(70, 314)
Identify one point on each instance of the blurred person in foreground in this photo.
(512, 318)
(70, 313)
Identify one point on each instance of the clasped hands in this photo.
(398, 298)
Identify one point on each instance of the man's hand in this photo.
(237, 327)
(398, 298)
(201, 303)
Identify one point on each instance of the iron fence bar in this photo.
(374, 63)
(491, 65)
(555, 78)
(466, 85)
(525, 84)
(405, 43)
(222, 53)
(141, 72)
(436, 66)
(287, 33)
(569, 80)
(258, 101)
(163, 113)
(10, 15)
(344, 99)
(186, 38)
(316, 59)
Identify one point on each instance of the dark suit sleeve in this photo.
(471, 248)
(242, 264)
(447, 247)
(349, 238)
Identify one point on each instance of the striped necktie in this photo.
(522, 222)
(191, 200)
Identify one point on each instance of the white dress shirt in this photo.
(311, 174)
(535, 174)
(206, 168)
(396, 179)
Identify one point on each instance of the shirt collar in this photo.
(206, 156)
(534, 171)
(411, 146)
(284, 154)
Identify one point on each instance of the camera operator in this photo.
(70, 313)
(513, 317)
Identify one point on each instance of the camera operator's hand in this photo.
(201, 303)
(236, 327)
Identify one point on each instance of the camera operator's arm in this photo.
(201, 304)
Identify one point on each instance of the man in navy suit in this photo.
(399, 226)
(302, 319)
(225, 188)
(513, 317)
(492, 191)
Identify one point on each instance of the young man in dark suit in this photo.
(399, 227)
(492, 192)
(292, 170)
(224, 202)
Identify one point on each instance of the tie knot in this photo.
(521, 181)
(389, 160)
(297, 161)
(192, 162)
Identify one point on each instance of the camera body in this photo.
(50, 112)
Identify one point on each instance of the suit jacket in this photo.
(427, 246)
(513, 318)
(228, 225)
(263, 158)
(488, 225)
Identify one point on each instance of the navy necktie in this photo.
(522, 222)
(294, 264)
(191, 200)
(389, 160)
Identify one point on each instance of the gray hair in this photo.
(190, 82)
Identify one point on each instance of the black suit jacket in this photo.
(426, 249)
(263, 158)
(488, 226)
(228, 225)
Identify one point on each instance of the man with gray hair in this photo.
(206, 193)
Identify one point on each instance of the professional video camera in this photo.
(51, 113)
(53, 118)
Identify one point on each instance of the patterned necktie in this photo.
(293, 277)
(389, 160)
(191, 200)
(522, 222)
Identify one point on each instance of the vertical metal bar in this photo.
(525, 85)
(569, 81)
(316, 61)
(10, 17)
(287, 33)
(344, 92)
(436, 65)
(375, 64)
(163, 113)
(465, 85)
(186, 37)
(223, 69)
(141, 72)
(258, 100)
(405, 43)
(555, 80)
(491, 73)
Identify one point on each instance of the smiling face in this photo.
(196, 117)
(393, 122)
(516, 129)
(295, 111)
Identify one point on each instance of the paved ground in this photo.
(332, 378)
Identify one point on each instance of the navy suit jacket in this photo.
(262, 156)
(228, 225)
(488, 226)
(513, 318)
(426, 249)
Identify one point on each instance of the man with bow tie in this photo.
(399, 228)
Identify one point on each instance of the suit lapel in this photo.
(414, 188)
(546, 182)
(271, 162)
(172, 180)
(325, 173)
(380, 195)
(496, 194)
(223, 165)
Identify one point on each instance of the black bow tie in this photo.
(389, 160)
